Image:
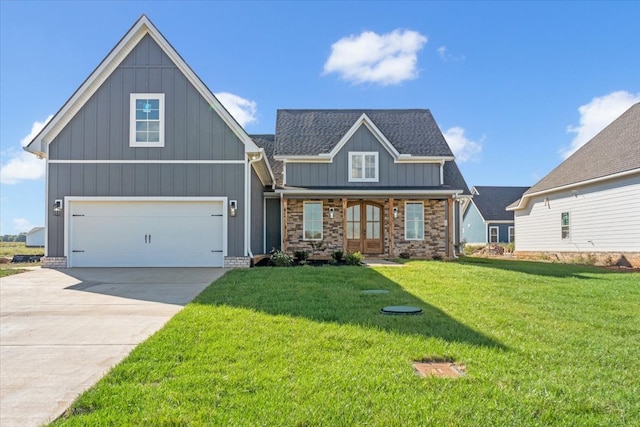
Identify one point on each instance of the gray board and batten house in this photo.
(589, 205)
(485, 218)
(145, 168)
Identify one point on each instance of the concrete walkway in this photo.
(62, 330)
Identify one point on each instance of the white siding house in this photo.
(588, 206)
(35, 237)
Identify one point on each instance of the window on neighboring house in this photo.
(414, 221)
(493, 234)
(312, 221)
(146, 120)
(363, 167)
(564, 225)
(512, 234)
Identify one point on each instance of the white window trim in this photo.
(363, 154)
(493, 227)
(512, 231)
(568, 238)
(304, 222)
(405, 220)
(132, 119)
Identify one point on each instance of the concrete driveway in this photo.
(62, 330)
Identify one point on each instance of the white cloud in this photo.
(386, 59)
(596, 115)
(22, 165)
(446, 56)
(243, 110)
(463, 148)
(22, 225)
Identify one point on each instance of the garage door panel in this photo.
(147, 234)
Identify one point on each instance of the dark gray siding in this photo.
(147, 180)
(100, 131)
(193, 129)
(257, 214)
(337, 172)
(273, 224)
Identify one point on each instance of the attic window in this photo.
(363, 166)
(146, 120)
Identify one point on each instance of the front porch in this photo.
(377, 227)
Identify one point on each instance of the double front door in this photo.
(364, 231)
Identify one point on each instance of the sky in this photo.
(515, 87)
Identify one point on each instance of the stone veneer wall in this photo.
(622, 259)
(237, 262)
(54, 262)
(332, 236)
(434, 244)
(435, 231)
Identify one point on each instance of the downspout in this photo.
(247, 204)
(454, 200)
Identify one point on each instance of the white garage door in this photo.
(146, 234)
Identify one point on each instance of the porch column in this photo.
(344, 226)
(391, 221)
(451, 224)
(284, 225)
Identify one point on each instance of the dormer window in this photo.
(146, 120)
(363, 166)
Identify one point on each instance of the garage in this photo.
(146, 233)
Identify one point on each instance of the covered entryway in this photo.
(146, 233)
(364, 227)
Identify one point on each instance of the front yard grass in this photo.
(543, 344)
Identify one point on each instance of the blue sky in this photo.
(514, 86)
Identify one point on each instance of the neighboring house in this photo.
(485, 218)
(35, 237)
(145, 167)
(590, 204)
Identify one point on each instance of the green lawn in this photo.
(543, 344)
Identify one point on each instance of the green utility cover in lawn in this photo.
(401, 309)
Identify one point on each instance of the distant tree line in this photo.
(22, 237)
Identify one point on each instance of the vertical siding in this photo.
(603, 217)
(257, 214)
(273, 223)
(193, 129)
(473, 227)
(337, 172)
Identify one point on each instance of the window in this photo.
(512, 234)
(146, 120)
(564, 225)
(414, 221)
(363, 167)
(493, 234)
(312, 228)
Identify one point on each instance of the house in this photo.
(35, 237)
(382, 182)
(146, 168)
(485, 218)
(588, 206)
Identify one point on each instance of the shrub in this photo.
(337, 256)
(436, 257)
(281, 259)
(354, 258)
(470, 249)
(301, 255)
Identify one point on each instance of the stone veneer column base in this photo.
(54, 262)
(237, 262)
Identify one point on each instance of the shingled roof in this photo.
(312, 132)
(492, 201)
(614, 150)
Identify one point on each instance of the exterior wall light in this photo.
(233, 207)
(57, 207)
(395, 212)
(331, 212)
